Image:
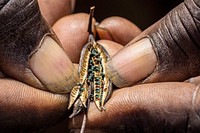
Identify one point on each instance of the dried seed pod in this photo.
(94, 85)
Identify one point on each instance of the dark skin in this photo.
(152, 107)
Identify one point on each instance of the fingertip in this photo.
(118, 29)
(72, 32)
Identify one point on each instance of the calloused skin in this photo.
(156, 107)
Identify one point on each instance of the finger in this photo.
(24, 108)
(160, 107)
(30, 51)
(167, 51)
(109, 29)
(53, 10)
(74, 40)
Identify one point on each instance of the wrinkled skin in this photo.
(155, 107)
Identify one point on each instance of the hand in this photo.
(33, 65)
(167, 51)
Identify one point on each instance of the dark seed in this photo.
(92, 97)
(98, 59)
(90, 70)
(97, 68)
(90, 77)
(102, 75)
(96, 96)
(97, 78)
(82, 89)
(98, 83)
(97, 90)
(79, 84)
(91, 62)
(94, 53)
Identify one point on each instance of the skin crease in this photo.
(174, 98)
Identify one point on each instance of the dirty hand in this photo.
(34, 69)
(167, 51)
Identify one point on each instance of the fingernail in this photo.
(52, 67)
(103, 33)
(132, 64)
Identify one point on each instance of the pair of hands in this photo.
(167, 51)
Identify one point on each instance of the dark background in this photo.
(141, 12)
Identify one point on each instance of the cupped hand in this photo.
(167, 51)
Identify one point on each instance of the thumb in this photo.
(167, 51)
(30, 51)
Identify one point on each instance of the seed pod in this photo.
(93, 77)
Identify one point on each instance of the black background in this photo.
(141, 12)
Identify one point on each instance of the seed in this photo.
(97, 78)
(96, 96)
(98, 83)
(97, 68)
(90, 77)
(102, 75)
(99, 59)
(82, 89)
(97, 90)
